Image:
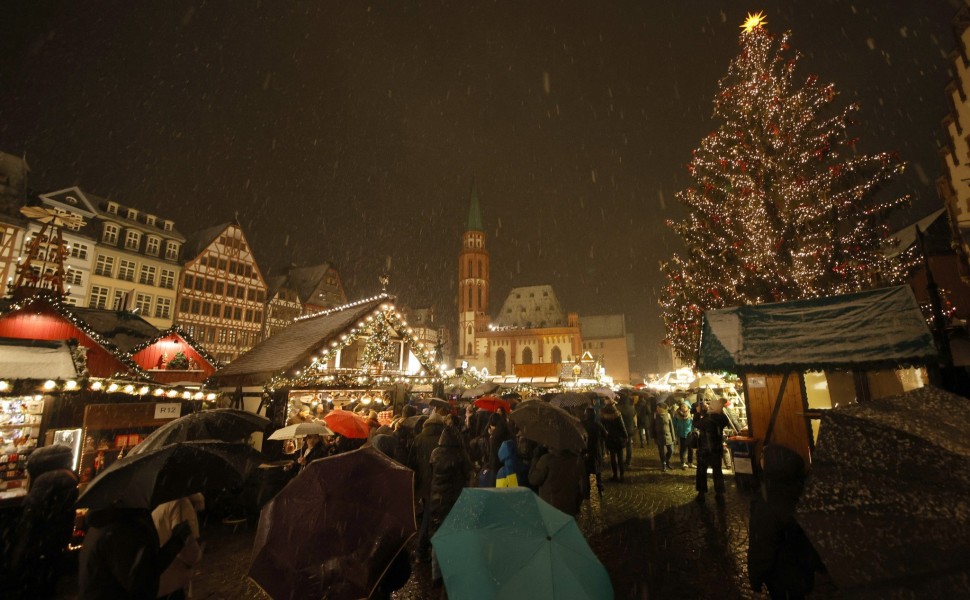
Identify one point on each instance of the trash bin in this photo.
(746, 468)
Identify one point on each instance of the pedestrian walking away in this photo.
(616, 439)
(663, 431)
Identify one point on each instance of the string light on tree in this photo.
(781, 205)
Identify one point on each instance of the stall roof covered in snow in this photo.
(880, 327)
(36, 359)
(293, 346)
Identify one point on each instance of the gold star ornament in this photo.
(754, 21)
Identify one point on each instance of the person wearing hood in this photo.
(683, 423)
(663, 432)
(616, 439)
(561, 478)
(122, 557)
(36, 558)
(451, 471)
(420, 461)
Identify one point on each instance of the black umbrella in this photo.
(887, 504)
(549, 425)
(168, 473)
(414, 422)
(573, 402)
(336, 528)
(223, 424)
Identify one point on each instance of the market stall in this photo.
(797, 359)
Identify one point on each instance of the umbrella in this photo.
(888, 499)
(509, 543)
(492, 404)
(481, 389)
(335, 528)
(572, 401)
(347, 424)
(439, 403)
(605, 392)
(549, 425)
(224, 424)
(707, 380)
(168, 473)
(414, 421)
(299, 430)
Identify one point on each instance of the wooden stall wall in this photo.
(790, 428)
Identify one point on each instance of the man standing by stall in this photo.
(710, 423)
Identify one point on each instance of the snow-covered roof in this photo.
(936, 234)
(880, 327)
(531, 307)
(122, 328)
(36, 359)
(293, 346)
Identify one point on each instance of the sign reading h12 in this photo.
(167, 410)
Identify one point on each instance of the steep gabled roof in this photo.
(196, 242)
(293, 346)
(936, 235)
(531, 306)
(70, 314)
(182, 333)
(306, 280)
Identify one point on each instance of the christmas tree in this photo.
(781, 206)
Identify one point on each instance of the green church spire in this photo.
(475, 212)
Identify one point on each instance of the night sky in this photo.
(351, 132)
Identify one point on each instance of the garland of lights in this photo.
(782, 205)
(189, 340)
(376, 328)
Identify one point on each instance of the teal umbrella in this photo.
(509, 543)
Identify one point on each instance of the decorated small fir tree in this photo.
(178, 362)
(781, 205)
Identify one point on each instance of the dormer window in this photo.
(110, 235)
(132, 239)
(113, 208)
(132, 214)
(171, 250)
(168, 226)
(152, 246)
(150, 220)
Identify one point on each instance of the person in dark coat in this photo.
(313, 448)
(642, 408)
(420, 460)
(629, 415)
(37, 558)
(121, 557)
(663, 433)
(616, 439)
(451, 471)
(498, 433)
(710, 422)
(561, 478)
(593, 455)
(780, 556)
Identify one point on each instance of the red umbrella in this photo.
(492, 404)
(347, 424)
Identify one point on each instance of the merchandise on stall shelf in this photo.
(20, 421)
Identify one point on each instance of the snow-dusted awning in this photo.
(36, 359)
(882, 327)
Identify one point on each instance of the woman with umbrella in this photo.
(313, 448)
(559, 474)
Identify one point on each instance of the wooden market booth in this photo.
(362, 351)
(797, 359)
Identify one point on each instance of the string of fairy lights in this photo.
(376, 330)
(781, 206)
(134, 382)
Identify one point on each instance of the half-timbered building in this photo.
(222, 294)
(13, 226)
(301, 291)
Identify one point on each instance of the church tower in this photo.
(473, 317)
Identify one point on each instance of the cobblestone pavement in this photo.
(655, 540)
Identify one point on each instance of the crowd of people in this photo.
(449, 445)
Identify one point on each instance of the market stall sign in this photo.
(167, 410)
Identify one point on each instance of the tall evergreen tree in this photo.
(781, 205)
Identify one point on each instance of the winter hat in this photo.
(49, 458)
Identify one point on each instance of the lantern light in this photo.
(50, 384)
